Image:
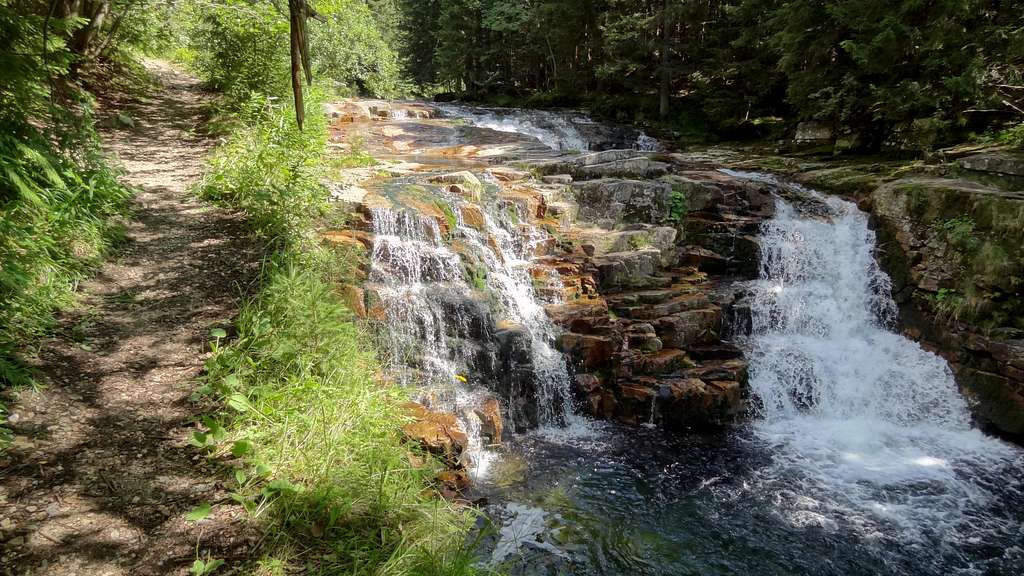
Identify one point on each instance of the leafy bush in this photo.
(271, 170)
(351, 49)
(59, 200)
(239, 47)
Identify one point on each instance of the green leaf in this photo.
(198, 568)
(218, 333)
(238, 402)
(199, 513)
(240, 476)
(213, 565)
(198, 439)
(241, 448)
(216, 431)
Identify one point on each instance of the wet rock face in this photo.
(436, 432)
(952, 248)
(632, 246)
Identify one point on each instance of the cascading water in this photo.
(867, 426)
(439, 320)
(563, 131)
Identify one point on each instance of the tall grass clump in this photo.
(312, 430)
(324, 467)
(271, 170)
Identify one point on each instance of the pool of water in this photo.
(634, 501)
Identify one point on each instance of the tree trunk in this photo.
(666, 73)
(83, 39)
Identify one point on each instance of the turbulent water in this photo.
(861, 458)
(437, 317)
(562, 131)
(870, 424)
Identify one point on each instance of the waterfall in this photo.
(866, 427)
(564, 131)
(440, 322)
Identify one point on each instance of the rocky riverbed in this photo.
(633, 359)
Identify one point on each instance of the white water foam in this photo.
(868, 429)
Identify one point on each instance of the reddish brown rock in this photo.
(663, 362)
(492, 424)
(437, 432)
(590, 352)
(355, 298)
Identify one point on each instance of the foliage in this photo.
(240, 47)
(355, 157)
(271, 170)
(960, 233)
(1013, 136)
(353, 51)
(869, 66)
(678, 206)
(59, 200)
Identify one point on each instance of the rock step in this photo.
(666, 361)
(688, 275)
(682, 303)
(640, 297)
(732, 369)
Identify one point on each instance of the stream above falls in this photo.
(857, 454)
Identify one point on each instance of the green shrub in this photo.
(271, 170)
(1013, 136)
(59, 200)
(678, 206)
(239, 47)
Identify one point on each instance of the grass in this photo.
(304, 419)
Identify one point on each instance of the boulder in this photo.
(813, 132)
(665, 361)
(349, 112)
(1000, 163)
(627, 269)
(473, 216)
(611, 202)
(691, 327)
(491, 423)
(696, 403)
(590, 352)
(464, 183)
(436, 432)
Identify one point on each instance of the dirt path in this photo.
(100, 475)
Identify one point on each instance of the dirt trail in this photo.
(100, 475)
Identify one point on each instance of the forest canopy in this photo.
(865, 65)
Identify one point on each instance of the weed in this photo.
(271, 171)
(677, 206)
(960, 233)
(355, 157)
(1013, 136)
